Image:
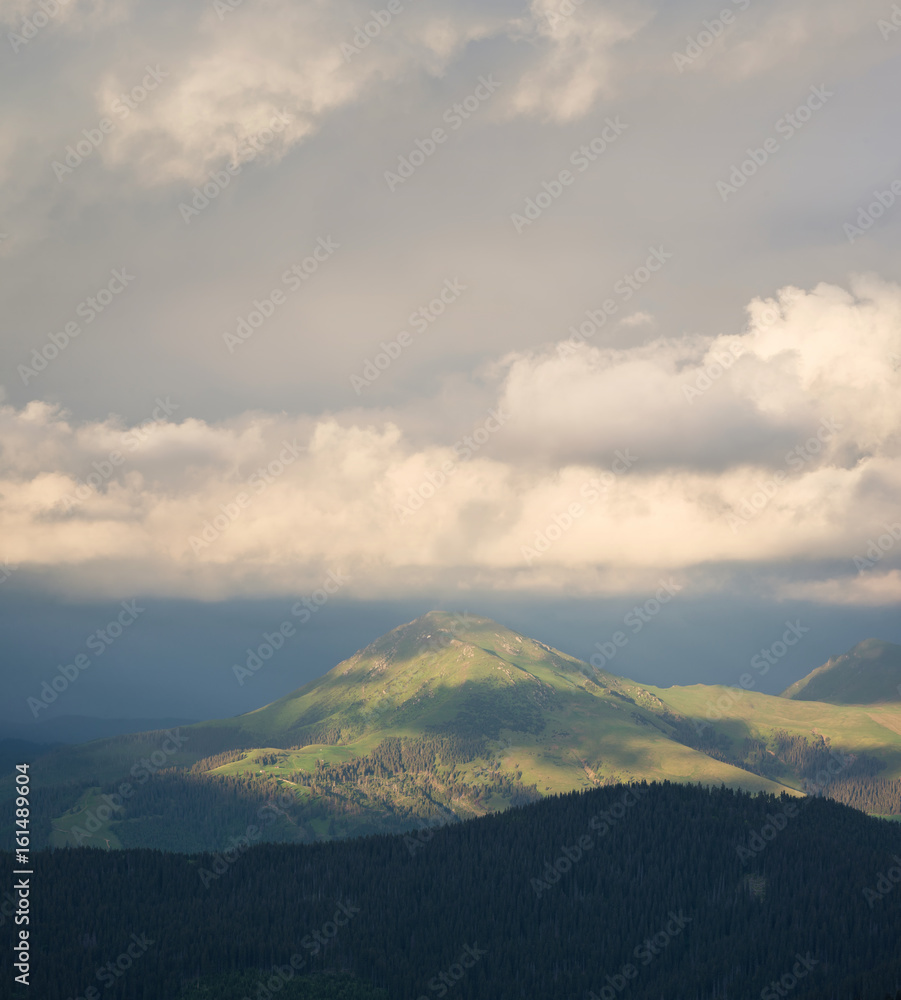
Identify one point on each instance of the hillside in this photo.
(868, 674)
(643, 892)
(443, 719)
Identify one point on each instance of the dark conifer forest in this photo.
(641, 892)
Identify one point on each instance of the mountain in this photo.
(442, 719)
(868, 674)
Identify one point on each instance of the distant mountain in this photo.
(444, 718)
(868, 674)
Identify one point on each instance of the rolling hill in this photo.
(445, 718)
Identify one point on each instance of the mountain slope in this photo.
(557, 722)
(868, 674)
(445, 718)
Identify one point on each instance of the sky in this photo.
(541, 310)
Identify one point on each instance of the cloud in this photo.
(793, 460)
(575, 65)
(273, 61)
(867, 590)
(766, 40)
(75, 15)
(722, 402)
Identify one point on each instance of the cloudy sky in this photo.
(524, 308)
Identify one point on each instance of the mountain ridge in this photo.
(451, 716)
(869, 673)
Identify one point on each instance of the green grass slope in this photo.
(736, 717)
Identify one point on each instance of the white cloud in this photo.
(336, 493)
(575, 65)
(867, 590)
(240, 72)
(726, 401)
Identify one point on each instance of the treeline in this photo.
(181, 811)
(810, 759)
(881, 796)
(403, 783)
(644, 888)
(848, 778)
(217, 760)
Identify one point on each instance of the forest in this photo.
(641, 891)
